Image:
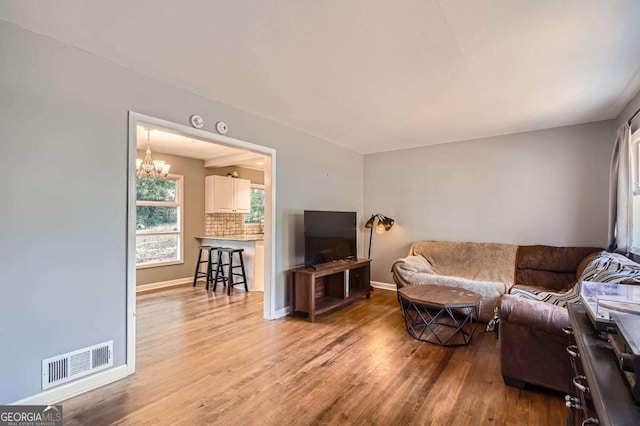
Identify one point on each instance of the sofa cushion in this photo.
(551, 280)
(555, 267)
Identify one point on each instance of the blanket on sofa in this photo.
(473, 261)
(484, 268)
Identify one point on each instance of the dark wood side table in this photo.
(328, 286)
(609, 391)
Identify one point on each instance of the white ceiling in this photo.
(372, 75)
(214, 155)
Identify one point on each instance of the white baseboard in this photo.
(69, 390)
(283, 312)
(163, 284)
(384, 286)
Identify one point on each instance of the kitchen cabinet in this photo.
(223, 194)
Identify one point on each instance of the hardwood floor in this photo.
(205, 359)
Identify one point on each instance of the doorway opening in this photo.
(174, 238)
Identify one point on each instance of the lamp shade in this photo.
(369, 223)
(387, 222)
(384, 224)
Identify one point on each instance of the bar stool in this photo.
(208, 275)
(229, 278)
(220, 264)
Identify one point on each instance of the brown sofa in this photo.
(532, 343)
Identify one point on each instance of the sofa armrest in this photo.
(533, 314)
(410, 266)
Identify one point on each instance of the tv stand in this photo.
(329, 286)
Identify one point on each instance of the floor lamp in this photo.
(383, 224)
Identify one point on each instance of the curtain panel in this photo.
(620, 193)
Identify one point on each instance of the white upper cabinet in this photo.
(223, 199)
(242, 188)
(224, 194)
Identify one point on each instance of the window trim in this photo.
(635, 184)
(255, 186)
(179, 203)
(635, 163)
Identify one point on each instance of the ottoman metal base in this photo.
(449, 324)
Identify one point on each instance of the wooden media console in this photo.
(327, 286)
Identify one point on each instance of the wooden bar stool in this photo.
(208, 275)
(220, 264)
(229, 278)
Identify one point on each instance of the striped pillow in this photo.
(611, 268)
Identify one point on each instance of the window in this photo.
(635, 162)
(257, 205)
(159, 221)
(635, 201)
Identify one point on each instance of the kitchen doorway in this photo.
(269, 158)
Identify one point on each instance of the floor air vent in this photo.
(70, 366)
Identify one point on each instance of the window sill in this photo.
(158, 264)
(634, 250)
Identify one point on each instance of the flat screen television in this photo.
(329, 236)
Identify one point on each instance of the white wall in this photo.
(63, 152)
(543, 187)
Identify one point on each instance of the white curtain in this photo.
(620, 192)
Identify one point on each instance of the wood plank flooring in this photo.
(212, 359)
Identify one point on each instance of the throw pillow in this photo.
(612, 268)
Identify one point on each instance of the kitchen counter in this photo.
(239, 237)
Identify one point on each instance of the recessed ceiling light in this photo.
(260, 163)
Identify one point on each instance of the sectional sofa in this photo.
(511, 277)
(490, 269)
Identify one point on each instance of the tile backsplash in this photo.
(226, 224)
(223, 224)
(252, 228)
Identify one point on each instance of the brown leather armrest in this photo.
(533, 314)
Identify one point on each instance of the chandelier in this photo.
(148, 168)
